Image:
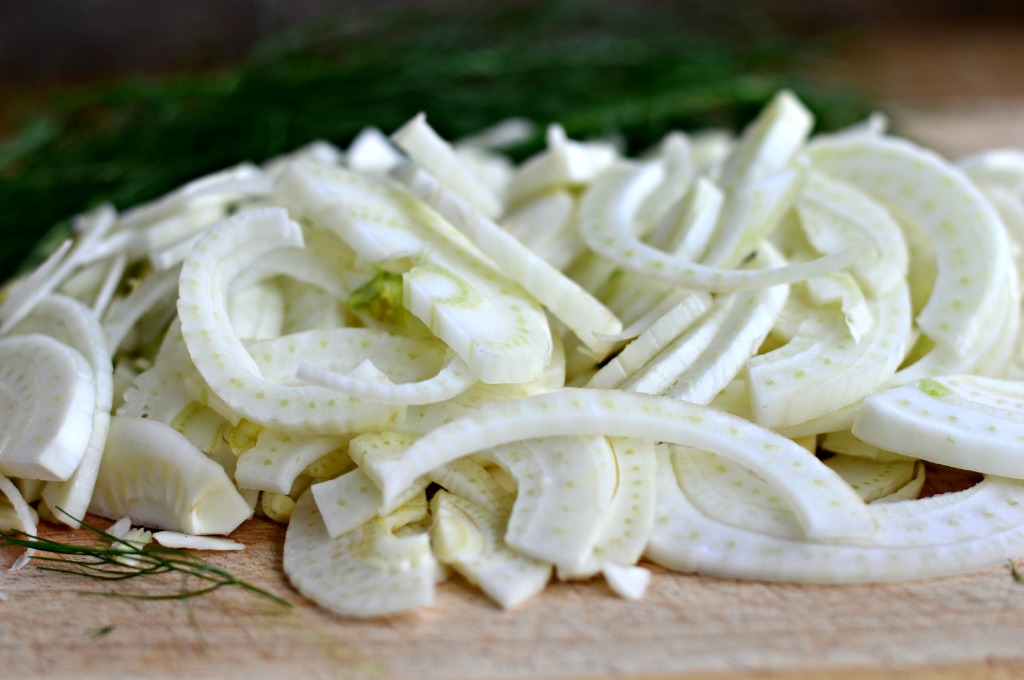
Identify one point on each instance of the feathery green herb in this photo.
(600, 70)
(113, 559)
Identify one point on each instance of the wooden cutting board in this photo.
(687, 626)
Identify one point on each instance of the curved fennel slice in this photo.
(627, 523)
(873, 479)
(278, 458)
(971, 244)
(152, 474)
(369, 571)
(742, 332)
(546, 226)
(965, 421)
(485, 317)
(652, 340)
(468, 537)
(563, 297)
(454, 378)
(686, 228)
(48, 407)
(938, 536)
(824, 504)
(823, 369)
(834, 215)
(564, 492)
(231, 372)
(606, 214)
(74, 324)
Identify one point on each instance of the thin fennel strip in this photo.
(606, 213)
(566, 300)
(825, 505)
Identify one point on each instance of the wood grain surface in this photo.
(687, 626)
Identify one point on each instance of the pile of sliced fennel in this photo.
(729, 356)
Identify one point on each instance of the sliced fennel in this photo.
(153, 474)
(369, 571)
(965, 421)
(468, 537)
(395, 335)
(825, 505)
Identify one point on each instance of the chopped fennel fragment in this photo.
(175, 539)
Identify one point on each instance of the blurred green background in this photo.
(115, 100)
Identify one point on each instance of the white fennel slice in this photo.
(24, 519)
(176, 539)
(971, 244)
(368, 571)
(688, 228)
(467, 478)
(606, 214)
(629, 582)
(652, 340)
(968, 422)
(823, 369)
(843, 289)
(824, 504)
(157, 289)
(454, 378)
(347, 501)
(769, 143)
(835, 215)
(564, 492)
(47, 407)
(563, 297)
(742, 332)
(432, 152)
(223, 360)
(152, 474)
(564, 164)
(372, 151)
(71, 322)
(468, 537)
(873, 479)
(545, 225)
(627, 524)
(278, 458)
(943, 535)
(256, 312)
(489, 320)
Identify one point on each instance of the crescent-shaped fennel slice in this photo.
(153, 474)
(822, 369)
(627, 523)
(74, 324)
(485, 317)
(454, 378)
(824, 504)
(563, 297)
(939, 536)
(606, 215)
(48, 407)
(965, 421)
(971, 244)
(468, 537)
(564, 491)
(368, 571)
(835, 215)
(224, 362)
